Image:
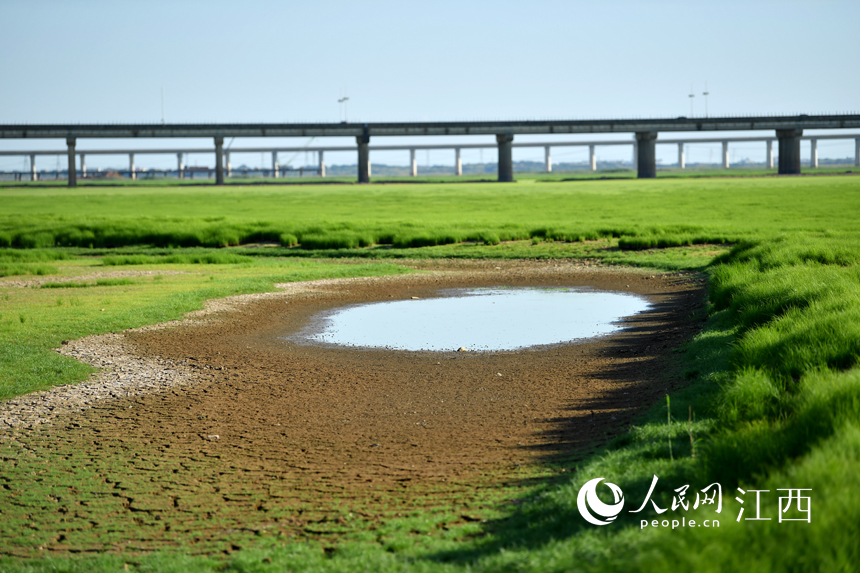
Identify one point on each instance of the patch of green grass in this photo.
(187, 257)
(335, 240)
(99, 282)
(29, 261)
(11, 270)
(663, 241)
(605, 250)
(31, 322)
(32, 255)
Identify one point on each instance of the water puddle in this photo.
(481, 319)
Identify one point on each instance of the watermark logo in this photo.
(589, 504)
(796, 505)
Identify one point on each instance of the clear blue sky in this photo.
(90, 61)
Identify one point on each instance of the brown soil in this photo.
(429, 413)
(273, 422)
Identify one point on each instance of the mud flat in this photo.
(227, 403)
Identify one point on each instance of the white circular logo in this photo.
(587, 499)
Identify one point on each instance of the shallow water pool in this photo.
(480, 319)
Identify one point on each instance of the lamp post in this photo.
(691, 96)
(344, 101)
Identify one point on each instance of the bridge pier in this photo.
(789, 151)
(458, 162)
(131, 172)
(646, 156)
(635, 153)
(219, 160)
(321, 163)
(73, 169)
(228, 164)
(592, 158)
(413, 164)
(547, 159)
(33, 175)
(857, 152)
(363, 142)
(276, 169)
(725, 155)
(83, 166)
(682, 163)
(506, 157)
(769, 158)
(180, 166)
(813, 155)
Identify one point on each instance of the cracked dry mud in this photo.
(261, 440)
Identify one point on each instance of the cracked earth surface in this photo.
(261, 438)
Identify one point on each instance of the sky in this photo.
(268, 61)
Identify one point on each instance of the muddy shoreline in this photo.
(426, 411)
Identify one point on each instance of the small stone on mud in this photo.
(498, 373)
(461, 349)
(211, 437)
(414, 298)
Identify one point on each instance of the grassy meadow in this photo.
(641, 214)
(773, 394)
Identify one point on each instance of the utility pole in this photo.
(706, 93)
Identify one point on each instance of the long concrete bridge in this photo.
(276, 170)
(788, 133)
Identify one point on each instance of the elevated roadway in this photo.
(788, 132)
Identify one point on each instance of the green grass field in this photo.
(774, 382)
(661, 213)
